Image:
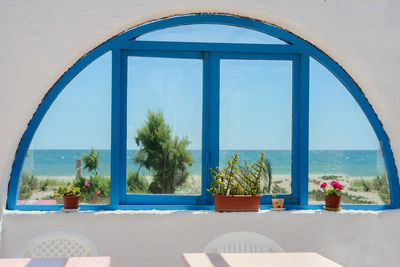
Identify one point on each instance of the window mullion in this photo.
(210, 151)
(300, 127)
(118, 128)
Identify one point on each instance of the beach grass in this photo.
(357, 190)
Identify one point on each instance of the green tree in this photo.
(166, 156)
(139, 159)
(91, 161)
(137, 183)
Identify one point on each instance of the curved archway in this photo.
(297, 48)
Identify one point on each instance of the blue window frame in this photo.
(295, 50)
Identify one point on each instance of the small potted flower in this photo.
(332, 195)
(277, 203)
(70, 195)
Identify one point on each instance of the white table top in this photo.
(308, 259)
(65, 262)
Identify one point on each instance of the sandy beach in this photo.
(281, 183)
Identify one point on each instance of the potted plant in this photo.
(332, 195)
(277, 203)
(70, 195)
(237, 189)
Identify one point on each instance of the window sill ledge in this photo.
(198, 209)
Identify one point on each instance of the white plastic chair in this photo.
(242, 242)
(62, 244)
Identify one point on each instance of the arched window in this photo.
(159, 105)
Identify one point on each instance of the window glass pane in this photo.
(164, 126)
(256, 115)
(343, 145)
(213, 33)
(78, 120)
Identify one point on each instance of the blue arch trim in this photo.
(126, 40)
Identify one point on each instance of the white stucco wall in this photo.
(159, 238)
(40, 40)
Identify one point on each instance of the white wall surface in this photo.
(40, 40)
(159, 238)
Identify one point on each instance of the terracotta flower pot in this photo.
(332, 202)
(277, 203)
(71, 202)
(237, 202)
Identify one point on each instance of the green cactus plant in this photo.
(236, 190)
(234, 181)
(223, 178)
(251, 176)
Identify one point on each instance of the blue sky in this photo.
(210, 33)
(255, 100)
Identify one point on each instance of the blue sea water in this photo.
(346, 162)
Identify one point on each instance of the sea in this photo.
(58, 162)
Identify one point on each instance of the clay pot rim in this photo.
(237, 196)
(332, 196)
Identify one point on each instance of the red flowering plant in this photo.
(335, 189)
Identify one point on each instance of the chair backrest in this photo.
(62, 244)
(242, 242)
(96, 194)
